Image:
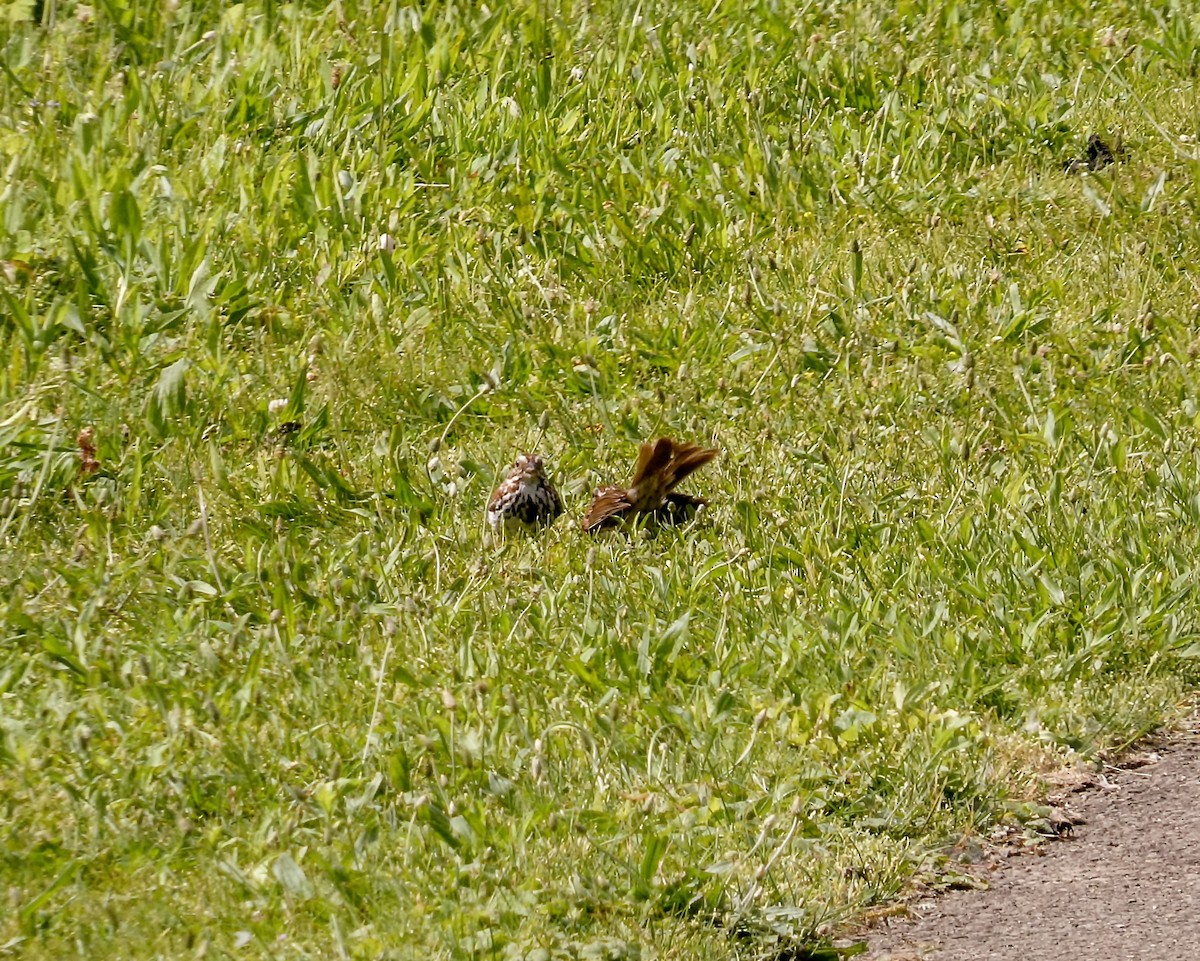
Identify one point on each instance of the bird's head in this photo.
(529, 467)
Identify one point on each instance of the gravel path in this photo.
(1126, 886)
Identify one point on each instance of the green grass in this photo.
(277, 694)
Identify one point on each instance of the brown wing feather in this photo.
(608, 505)
(506, 488)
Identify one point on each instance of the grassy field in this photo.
(313, 276)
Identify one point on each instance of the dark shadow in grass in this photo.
(690, 897)
(772, 946)
(1098, 155)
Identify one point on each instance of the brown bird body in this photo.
(660, 467)
(526, 498)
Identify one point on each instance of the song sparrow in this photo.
(526, 498)
(660, 467)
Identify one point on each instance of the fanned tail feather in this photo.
(653, 459)
(687, 459)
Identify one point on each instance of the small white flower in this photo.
(387, 242)
(278, 404)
